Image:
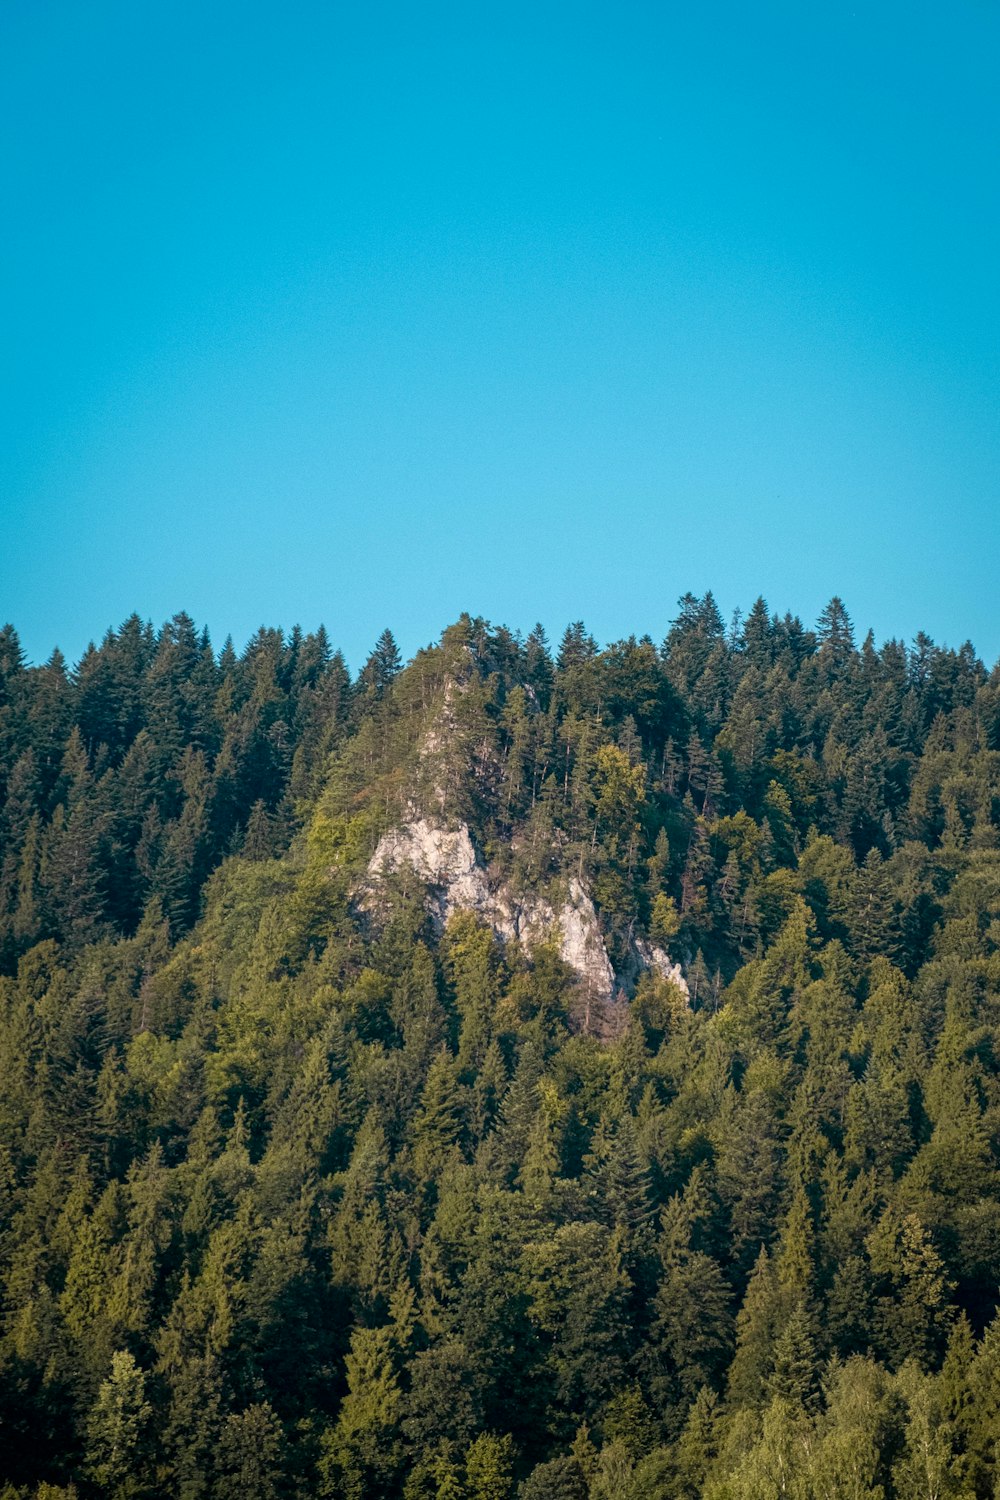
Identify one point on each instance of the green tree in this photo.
(913, 1311)
(489, 1467)
(361, 1453)
(250, 1459)
(117, 1431)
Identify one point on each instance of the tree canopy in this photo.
(303, 1194)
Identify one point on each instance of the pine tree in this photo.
(794, 1376)
(577, 1289)
(361, 1453)
(437, 1129)
(380, 668)
(757, 1325)
(250, 1460)
(489, 1468)
(116, 1454)
(698, 1444)
(835, 633)
(912, 1314)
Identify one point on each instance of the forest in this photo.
(311, 1186)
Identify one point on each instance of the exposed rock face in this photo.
(580, 942)
(652, 956)
(446, 860)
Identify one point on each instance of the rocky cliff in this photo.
(457, 880)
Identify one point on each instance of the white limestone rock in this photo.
(446, 860)
(581, 944)
(652, 956)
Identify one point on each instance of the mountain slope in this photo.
(359, 1136)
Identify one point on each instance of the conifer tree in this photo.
(250, 1459)
(489, 1468)
(361, 1452)
(118, 1430)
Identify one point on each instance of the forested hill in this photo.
(330, 1165)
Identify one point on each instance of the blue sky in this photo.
(369, 314)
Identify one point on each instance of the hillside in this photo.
(563, 1075)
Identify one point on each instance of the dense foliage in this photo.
(300, 1195)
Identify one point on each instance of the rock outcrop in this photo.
(456, 879)
(652, 956)
(445, 859)
(581, 944)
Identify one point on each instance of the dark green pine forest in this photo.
(316, 1183)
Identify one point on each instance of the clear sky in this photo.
(369, 313)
